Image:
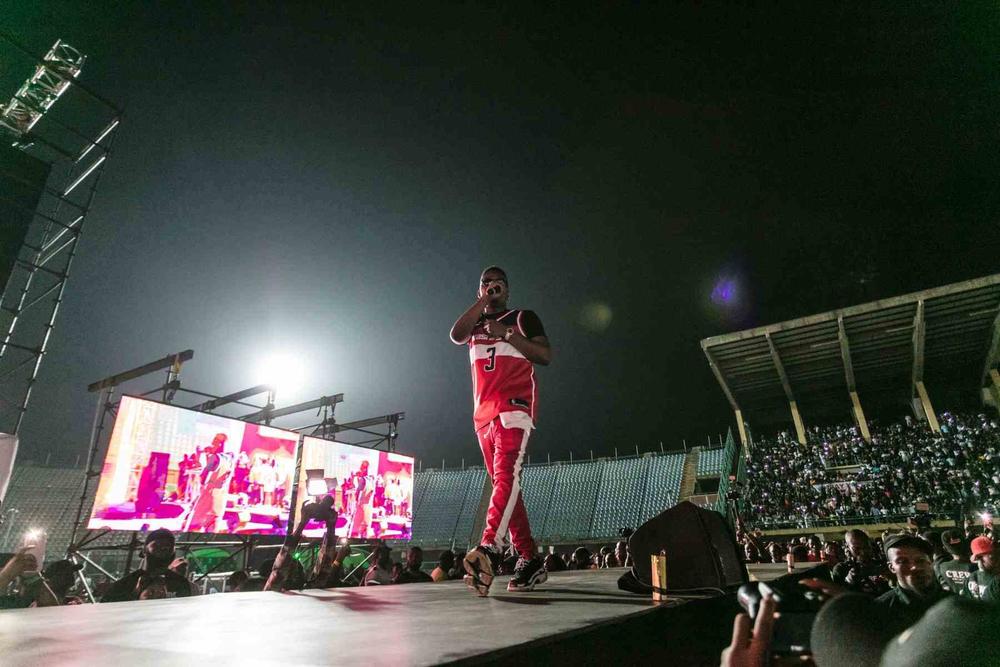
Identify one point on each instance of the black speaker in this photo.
(701, 550)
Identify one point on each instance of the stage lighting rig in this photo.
(53, 75)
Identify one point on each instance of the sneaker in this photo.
(482, 564)
(527, 574)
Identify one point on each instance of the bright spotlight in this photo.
(283, 372)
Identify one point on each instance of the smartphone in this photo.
(37, 540)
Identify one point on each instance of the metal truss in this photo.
(77, 151)
(83, 541)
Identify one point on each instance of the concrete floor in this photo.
(418, 624)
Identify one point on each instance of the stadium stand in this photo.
(663, 484)
(42, 498)
(619, 496)
(466, 520)
(574, 498)
(955, 471)
(440, 504)
(710, 462)
(538, 485)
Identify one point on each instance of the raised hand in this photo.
(749, 649)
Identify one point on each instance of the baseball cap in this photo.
(981, 545)
(952, 537)
(955, 631)
(159, 534)
(905, 540)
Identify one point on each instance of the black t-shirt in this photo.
(910, 606)
(413, 577)
(125, 588)
(984, 586)
(954, 576)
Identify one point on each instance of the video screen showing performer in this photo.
(188, 471)
(372, 490)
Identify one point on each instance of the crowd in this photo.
(837, 478)
(927, 598)
(163, 574)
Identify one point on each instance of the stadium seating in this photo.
(43, 498)
(710, 462)
(619, 497)
(662, 485)
(574, 497)
(538, 483)
(440, 503)
(467, 515)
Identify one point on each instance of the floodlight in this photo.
(284, 372)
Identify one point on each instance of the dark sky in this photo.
(328, 182)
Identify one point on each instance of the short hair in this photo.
(498, 270)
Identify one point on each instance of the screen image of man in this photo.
(504, 346)
(210, 504)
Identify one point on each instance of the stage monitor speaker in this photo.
(22, 181)
(701, 549)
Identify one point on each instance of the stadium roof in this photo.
(948, 334)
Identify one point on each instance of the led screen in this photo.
(188, 471)
(372, 490)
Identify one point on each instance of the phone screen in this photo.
(37, 541)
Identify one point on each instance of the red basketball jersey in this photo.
(503, 380)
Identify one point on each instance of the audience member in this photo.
(236, 581)
(861, 571)
(852, 630)
(446, 564)
(955, 631)
(48, 588)
(581, 559)
(410, 572)
(622, 554)
(155, 570)
(381, 571)
(554, 563)
(917, 589)
(984, 583)
(954, 574)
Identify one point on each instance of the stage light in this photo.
(283, 372)
(596, 316)
(724, 291)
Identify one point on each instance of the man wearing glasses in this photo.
(504, 345)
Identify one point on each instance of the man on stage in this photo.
(503, 345)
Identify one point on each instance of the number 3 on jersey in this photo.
(491, 363)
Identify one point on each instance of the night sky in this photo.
(328, 182)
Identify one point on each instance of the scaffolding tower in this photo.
(75, 141)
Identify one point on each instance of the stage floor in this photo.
(416, 624)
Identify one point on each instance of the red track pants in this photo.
(503, 452)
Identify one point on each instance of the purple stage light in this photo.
(724, 292)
